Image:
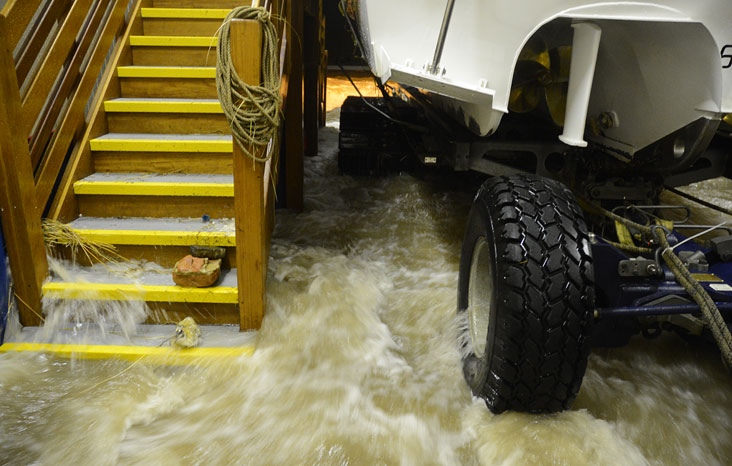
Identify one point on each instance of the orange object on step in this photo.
(196, 272)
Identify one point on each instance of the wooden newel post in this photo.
(249, 202)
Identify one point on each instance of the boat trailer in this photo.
(562, 251)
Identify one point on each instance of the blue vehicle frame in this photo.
(4, 287)
(621, 300)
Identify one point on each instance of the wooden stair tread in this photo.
(151, 184)
(150, 354)
(199, 3)
(186, 72)
(174, 41)
(96, 284)
(156, 231)
(187, 13)
(148, 142)
(160, 105)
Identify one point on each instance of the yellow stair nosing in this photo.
(182, 72)
(147, 354)
(132, 292)
(185, 13)
(161, 106)
(147, 188)
(173, 41)
(159, 238)
(160, 145)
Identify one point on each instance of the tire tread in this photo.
(546, 289)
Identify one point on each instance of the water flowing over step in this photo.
(163, 240)
(150, 169)
(159, 243)
(153, 286)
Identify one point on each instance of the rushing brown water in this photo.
(356, 365)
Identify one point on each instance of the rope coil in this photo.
(253, 111)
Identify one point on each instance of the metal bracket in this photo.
(484, 157)
(435, 65)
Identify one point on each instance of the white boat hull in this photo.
(661, 65)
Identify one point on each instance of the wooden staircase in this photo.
(161, 165)
(110, 123)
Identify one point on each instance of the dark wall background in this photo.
(338, 38)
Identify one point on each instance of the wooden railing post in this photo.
(312, 62)
(21, 216)
(294, 142)
(249, 200)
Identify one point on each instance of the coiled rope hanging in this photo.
(253, 112)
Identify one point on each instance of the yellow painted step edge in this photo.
(160, 238)
(147, 354)
(131, 188)
(160, 145)
(131, 292)
(173, 41)
(187, 72)
(159, 106)
(185, 13)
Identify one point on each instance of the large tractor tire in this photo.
(526, 285)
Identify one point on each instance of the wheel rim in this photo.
(480, 296)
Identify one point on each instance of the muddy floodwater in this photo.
(356, 365)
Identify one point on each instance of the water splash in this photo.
(356, 363)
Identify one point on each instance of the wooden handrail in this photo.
(56, 89)
(18, 14)
(63, 205)
(71, 74)
(73, 123)
(37, 37)
(37, 95)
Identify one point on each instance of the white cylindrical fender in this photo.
(585, 44)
